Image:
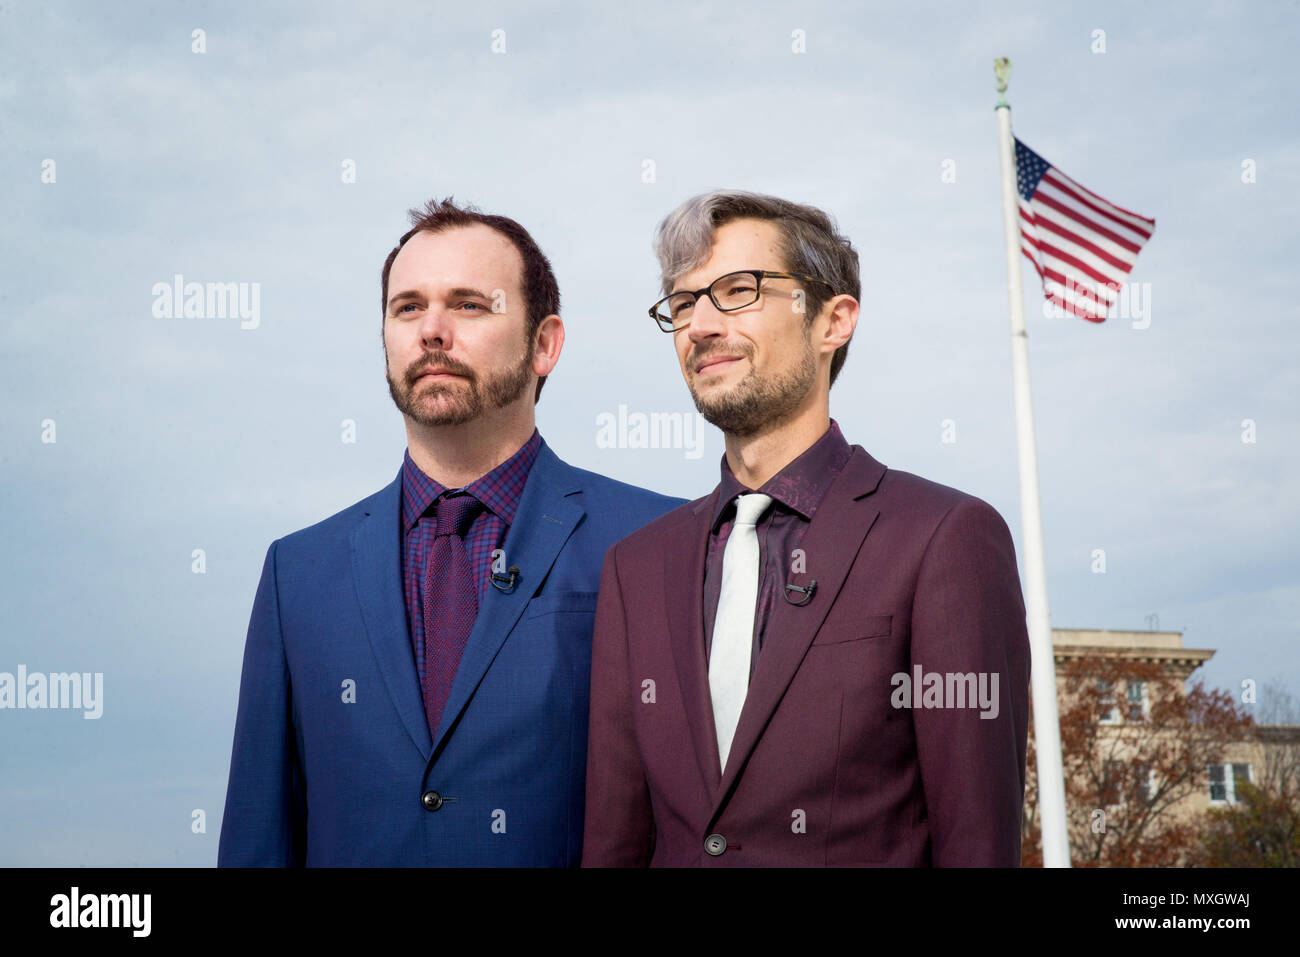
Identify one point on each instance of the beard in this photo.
(466, 398)
(753, 404)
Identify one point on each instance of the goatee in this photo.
(467, 397)
(753, 404)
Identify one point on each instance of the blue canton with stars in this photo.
(1030, 168)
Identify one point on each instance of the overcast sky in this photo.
(228, 165)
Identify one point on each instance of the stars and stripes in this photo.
(1081, 245)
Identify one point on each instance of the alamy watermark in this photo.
(208, 300)
(1131, 300)
(80, 690)
(935, 689)
(655, 430)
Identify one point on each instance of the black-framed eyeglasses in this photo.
(735, 290)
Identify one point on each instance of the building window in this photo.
(1109, 712)
(1139, 707)
(1116, 786)
(1142, 772)
(1223, 782)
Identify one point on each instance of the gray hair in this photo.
(810, 244)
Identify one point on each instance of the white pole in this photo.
(1047, 733)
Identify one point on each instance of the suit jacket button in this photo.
(715, 844)
(431, 800)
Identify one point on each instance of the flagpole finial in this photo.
(1002, 70)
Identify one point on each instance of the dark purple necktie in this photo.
(450, 602)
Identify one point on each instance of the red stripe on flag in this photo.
(1047, 274)
(1079, 265)
(1147, 226)
(1081, 313)
(1089, 224)
(1044, 223)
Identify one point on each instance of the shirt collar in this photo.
(801, 484)
(498, 490)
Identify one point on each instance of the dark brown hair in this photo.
(541, 291)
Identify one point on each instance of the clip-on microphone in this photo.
(506, 583)
(806, 593)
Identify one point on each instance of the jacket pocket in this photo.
(581, 602)
(872, 626)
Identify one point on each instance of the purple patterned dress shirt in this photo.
(498, 490)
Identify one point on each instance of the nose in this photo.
(706, 321)
(436, 329)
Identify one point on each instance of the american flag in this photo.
(1082, 245)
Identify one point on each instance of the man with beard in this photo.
(416, 670)
(824, 661)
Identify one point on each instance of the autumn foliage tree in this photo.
(1134, 744)
(1262, 828)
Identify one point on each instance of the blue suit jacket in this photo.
(332, 761)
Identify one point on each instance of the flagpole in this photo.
(1047, 734)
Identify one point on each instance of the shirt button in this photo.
(715, 844)
(431, 800)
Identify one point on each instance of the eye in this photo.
(472, 305)
(409, 305)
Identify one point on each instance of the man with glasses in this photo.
(824, 661)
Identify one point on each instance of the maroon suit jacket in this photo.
(825, 767)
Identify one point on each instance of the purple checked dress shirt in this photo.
(498, 490)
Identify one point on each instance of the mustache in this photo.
(703, 352)
(442, 361)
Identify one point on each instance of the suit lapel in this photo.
(684, 560)
(545, 519)
(377, 571)
(832, 541)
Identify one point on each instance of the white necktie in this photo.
(733, 627)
